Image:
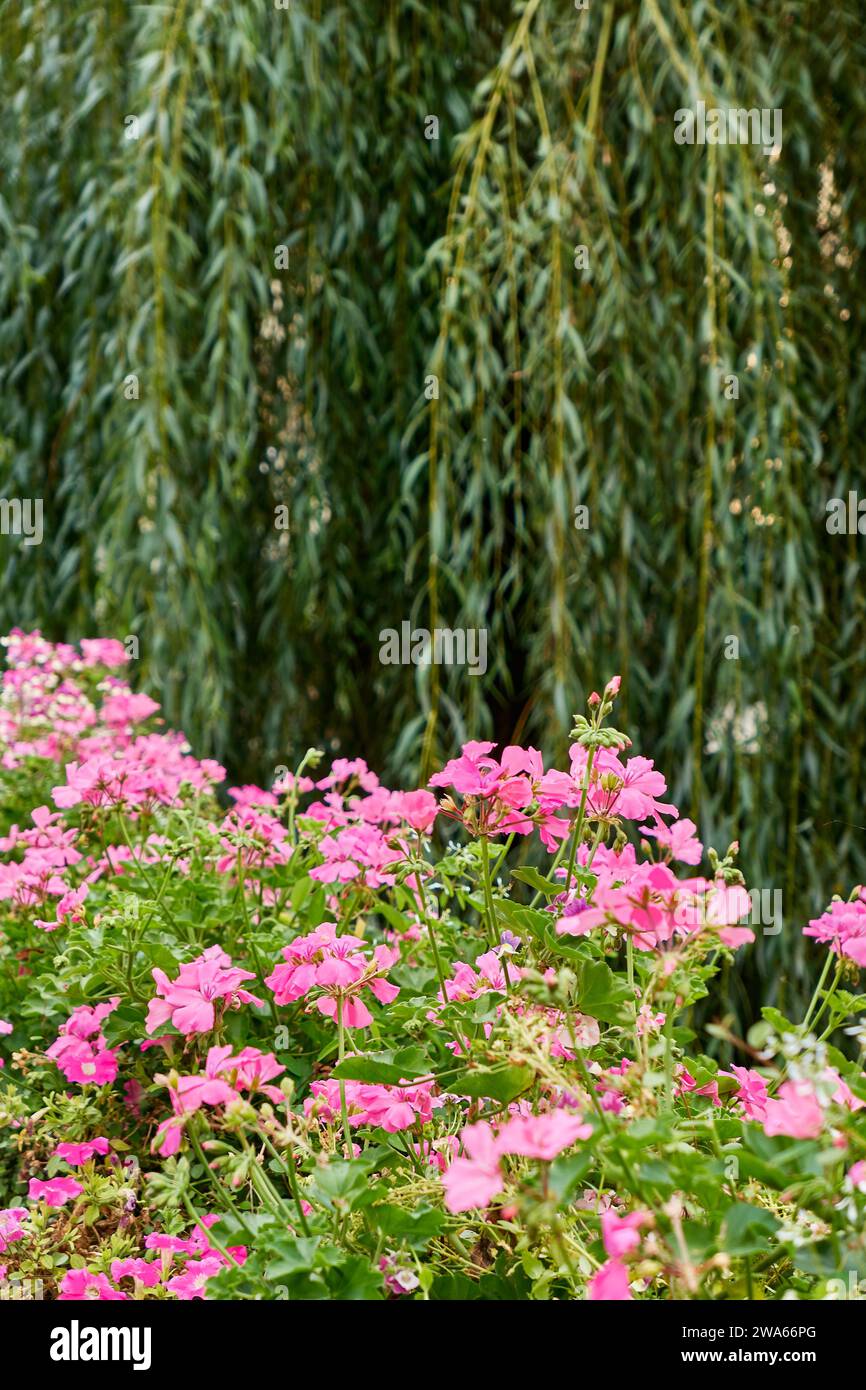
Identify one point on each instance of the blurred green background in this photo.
(232, 261)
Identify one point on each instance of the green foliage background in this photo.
(559, 387)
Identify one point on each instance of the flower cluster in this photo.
(336, 969)
(204, 985)
(80, 1050)
(433, 1042)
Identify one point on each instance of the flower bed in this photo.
(334, 1042)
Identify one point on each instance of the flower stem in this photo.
(344, 1109)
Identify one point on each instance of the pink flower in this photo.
(76, 1154)
(418, 809)
(856, 1177)
(193, 1282)
(391, 1108)
(620, 1233)
(541, 1136)
(678, 839)
(842, 1093)
(146, 1272)
(188, 1001)
(80, 1050)
(475, 1180)
(796, 1113)
(103, 651)
(843, 928)
(609, 1284)
(752, 1094)
(338, 966)
(10, 1225)
(55, 1192)
(647, 1021)
(168, 1137)
(79, 1284)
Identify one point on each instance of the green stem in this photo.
(578, 824)
(291, 1175)
(429, 924)
(820, 985)
(488, 896)
(344, 1109)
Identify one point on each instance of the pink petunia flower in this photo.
(80, 1284)
(76, 1154)
(11, 1227)
(55, 1192)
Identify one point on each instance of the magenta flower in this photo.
(55, 1192)
(678, 839)
(392, 1108)
(843, 928)
(10, 1225)
(76, 1154)
(752, 1093)
(80, 1284)
(81, 1051)
(338, 967)
(188, 1002)
(146, 1272)
(193, 1282)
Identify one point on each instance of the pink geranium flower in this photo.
(609, 1284)
(81, 1051)
(752, 1093)
(541, 1136)
(418, 809)
(620, 1233)
(843, 928)
(475, 1179)
(796, 1113)
(338, 967)
(188, 1002)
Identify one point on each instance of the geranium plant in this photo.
(330, 1040)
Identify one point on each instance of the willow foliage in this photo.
(148, 248)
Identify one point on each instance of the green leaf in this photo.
(746, 1230)
(602, 994)
(386, 1068)
(538, 882)
(495, 1083)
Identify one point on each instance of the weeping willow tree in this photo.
(324, 318)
